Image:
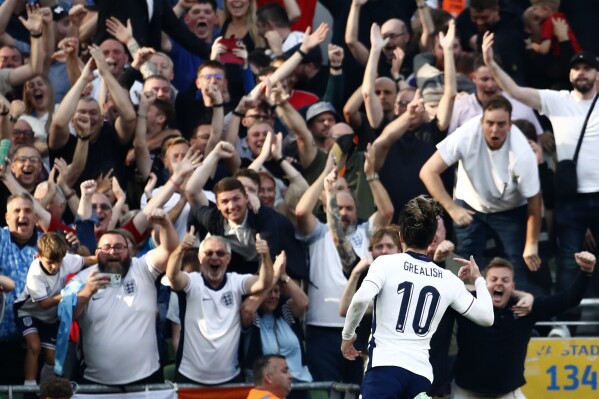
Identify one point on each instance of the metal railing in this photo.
(336, 390)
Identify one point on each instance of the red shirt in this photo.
(307, 7)
(547, 34)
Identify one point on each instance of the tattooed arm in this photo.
(344, 248)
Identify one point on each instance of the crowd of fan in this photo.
(216, 142)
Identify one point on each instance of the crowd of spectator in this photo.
(218, 175)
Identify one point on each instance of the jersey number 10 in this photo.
(426, 307)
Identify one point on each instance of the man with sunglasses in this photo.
(117, 309)
(208, 350)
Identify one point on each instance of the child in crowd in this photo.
(35, 309)
(546, 11)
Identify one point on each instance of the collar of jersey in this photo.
(222, 284)
(418, 256)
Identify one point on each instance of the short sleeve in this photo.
(376, 274)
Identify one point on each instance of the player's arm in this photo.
(356, 311)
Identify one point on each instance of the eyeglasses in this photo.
(393, 35)
(217, 76)
(115, 247)
(17, 132)
(33, 159)
(261, 117)
(104, 207)
(218, 253)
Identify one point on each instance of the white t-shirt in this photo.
(118, 327)
(567, 113)
(468, 107)
(181, 223)
(293, 39)
(491, 181)
(413, 294)
(212, 326)
(326, 273)
(41, 285)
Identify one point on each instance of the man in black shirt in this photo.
(490, 361)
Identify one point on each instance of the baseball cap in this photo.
(320, 108)
(585, 57)
(59, 12)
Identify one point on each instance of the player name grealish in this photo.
(424, 271)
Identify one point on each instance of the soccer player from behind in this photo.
(411, 294)
(36, 308)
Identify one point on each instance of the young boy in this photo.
(546, 11)
(35, 309)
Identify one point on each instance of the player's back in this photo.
(413, 296)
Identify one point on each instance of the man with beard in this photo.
(328, 270)
(567, 112)
(116, 309)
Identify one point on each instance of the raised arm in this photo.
(195, 185)
(263, 281)
(67, 189)
(391, 133)
(428, 27)
(168, 239)
(59, 129)
(526, 95)
(357, 49)
(218, 117)
(306, 145)
(374, 109)
(382, 201)
(351, 109)
(88, 188)
(143, 160)
(445, 108)
(346, 252)
(306, 221)
(177, 278)
(125, 123)
(34, 25)
(311, 40)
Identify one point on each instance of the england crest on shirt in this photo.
(130, 287)
(227, 299)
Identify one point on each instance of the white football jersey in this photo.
(413, 294)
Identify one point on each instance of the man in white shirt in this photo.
(567, 112)
(210, 309)
(411, 294)
(497, 192)
(117, 315)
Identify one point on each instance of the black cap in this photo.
(59, 12)
(585, 57)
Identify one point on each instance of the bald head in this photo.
(340, 129)
(396, 31)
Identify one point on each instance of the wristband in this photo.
(304, 55)
(399, 79)
(336, 67)
(372, 178)
(4, 113)
(220, 105)
(139, 116)
(83, 138)
(238, 114)
(35, 35)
